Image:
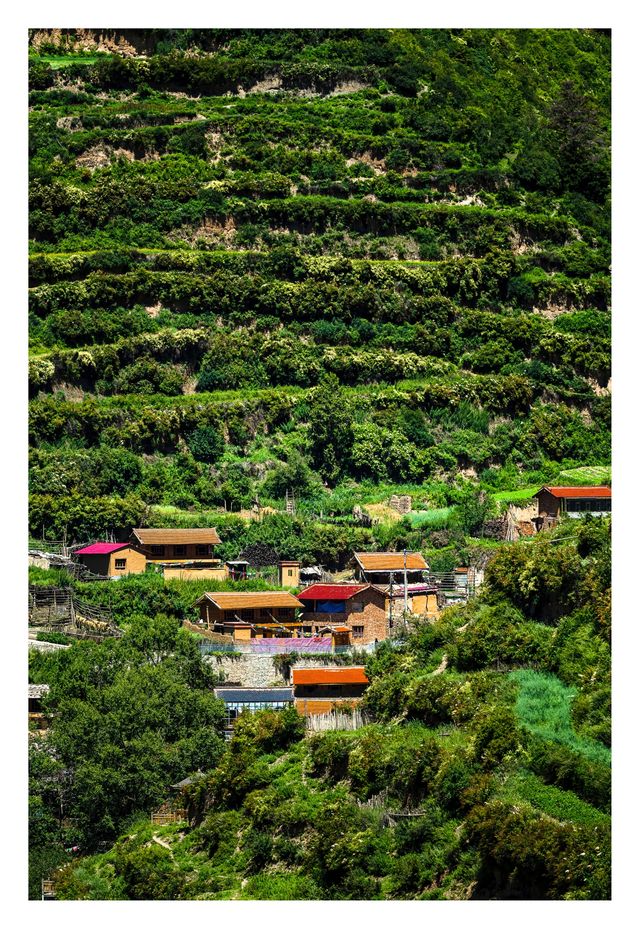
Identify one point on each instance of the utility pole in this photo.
(406, 601)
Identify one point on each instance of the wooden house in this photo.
(359, 610)
(112, 559)
(320, 690)
(249, 615)
(554, 502)
(186, 554)
(389, 567)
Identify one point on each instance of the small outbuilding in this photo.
(554, 502)
(252, 699)
(389, 567)
(111, 559)
(320, 690)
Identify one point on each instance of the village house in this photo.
(111, 559)
(181, 553)
(251, 700)
(389, 567)
(359, 610)
(320, 690)
(252, 615)
(554, 502)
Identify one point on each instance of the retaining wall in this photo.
(250, 670)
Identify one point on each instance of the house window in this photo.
(358, 632)
(157, 549)
(357, 607)
(289, 572)
(202, 550)
(121, 564)
(283, 612)
(179, 550)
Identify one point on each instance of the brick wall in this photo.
(373, 617)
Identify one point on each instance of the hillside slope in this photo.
(268, 260)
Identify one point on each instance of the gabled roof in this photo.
(102, 548)
(580, 493)
(230, 600)
(353, 675)
(331, 591)
(176, 536)
(390, 561)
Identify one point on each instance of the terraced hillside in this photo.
(323, 261)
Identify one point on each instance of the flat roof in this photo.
(254, 694)
(354, 675)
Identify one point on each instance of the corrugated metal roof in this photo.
(254, 694)
(230, 600)
(177, 536)
(38, 690)
(581, 493)
(391, 561)
(102, 548)
(331, 591)
(353, 675)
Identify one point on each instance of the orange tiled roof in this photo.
(391, 561)
(176, 536)
(230, 600)
(354, 675)
(581, 493)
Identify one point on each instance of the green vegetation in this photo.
(343, 264)
(336, 282)
(508, 787)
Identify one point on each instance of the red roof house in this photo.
(570, 501)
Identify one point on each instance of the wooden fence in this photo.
(337, 719)
(164, 817)
(57, 609)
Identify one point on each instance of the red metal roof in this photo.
(331, 591)
(581, 493)
(329, 676)
(102, 548)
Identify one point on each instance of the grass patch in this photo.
(560, 804)
(586, 476)
(543, 706)
(432, 518)
(516, 496)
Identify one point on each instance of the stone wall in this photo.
(255, 670)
